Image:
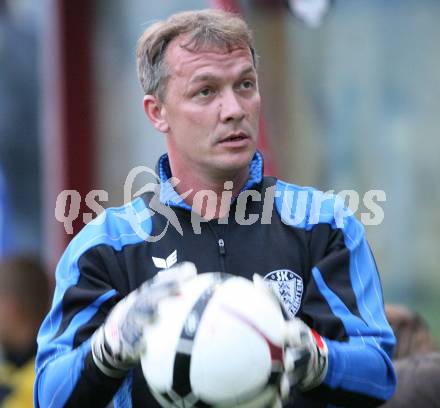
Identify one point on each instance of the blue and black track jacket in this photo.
(315, 256)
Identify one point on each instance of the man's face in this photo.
(211, 107)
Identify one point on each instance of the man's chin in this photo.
(231, 164)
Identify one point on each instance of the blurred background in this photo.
(351, 101)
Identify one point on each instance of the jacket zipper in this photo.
(222, 252)
(221, 248)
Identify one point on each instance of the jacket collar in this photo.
(169, 196)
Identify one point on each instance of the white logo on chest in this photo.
(166, 263)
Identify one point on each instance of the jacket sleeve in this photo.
(65, 370)
(90, 280)
(343, 302)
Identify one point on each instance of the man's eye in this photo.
(247, 84)
(205, 92)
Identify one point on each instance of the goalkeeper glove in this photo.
(306, 356)
(118, 343)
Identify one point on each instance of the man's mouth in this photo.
(236, 137)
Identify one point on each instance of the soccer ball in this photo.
(219, 343)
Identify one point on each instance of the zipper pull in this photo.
(221, 247)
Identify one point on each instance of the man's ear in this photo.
(154, 110)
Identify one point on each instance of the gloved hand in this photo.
(117, 344)
(306, 356)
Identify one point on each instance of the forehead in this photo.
(185, 62)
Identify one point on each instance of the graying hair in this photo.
(202, 28)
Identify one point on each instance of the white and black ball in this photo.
(219, 343)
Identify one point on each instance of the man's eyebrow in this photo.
(248, 70)
(212, 77)
(203, 78)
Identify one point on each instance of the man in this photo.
(5, 230)
(416, 360)
(24, 300)
(419, 381)
(198, 71)
(413, 335)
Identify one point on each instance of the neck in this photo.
(209, 196)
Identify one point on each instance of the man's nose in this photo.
(231, 110)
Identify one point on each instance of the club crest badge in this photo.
(289, 287)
